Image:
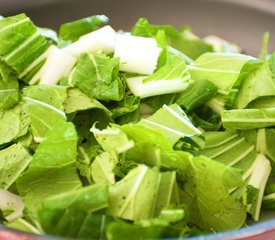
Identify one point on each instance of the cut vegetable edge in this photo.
(153, 88)
(102, 39)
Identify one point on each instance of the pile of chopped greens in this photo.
(153, 133)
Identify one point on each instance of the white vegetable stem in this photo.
(58, 64)
(153, 88)
(11, 202)
(102, 39)
(260, 172)
(137, 54)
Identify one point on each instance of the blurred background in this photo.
(239, 21)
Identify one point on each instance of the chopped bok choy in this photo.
(153, 133)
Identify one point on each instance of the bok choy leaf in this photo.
(233, 150)
(52, 170)
(183, 40)
(258, 84)
(97, 76)
(9, 87)
(224, 70)
(72, 31)
(153, 133)
(45, 107)
(14, 160)
(173, 122)
(245, 119)
(172, 77)
(21, 42)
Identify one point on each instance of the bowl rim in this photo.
(254, 230)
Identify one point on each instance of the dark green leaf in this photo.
(206, 194)
(197, 94)
(72, 31)
(52, 170)
(97, 76)
(9, 87)
(183, 40)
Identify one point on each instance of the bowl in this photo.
(239, 21)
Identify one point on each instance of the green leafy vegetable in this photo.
(259, 83)
(233, 150)
(90, 199)
(153, 133)
(22, 225)
(123, 231)
(264, 50)
(197, 94)
(78, 101)
(14, 160)
(45, 106)
(248, 118)
(183, 40)
(102, 168)
(127, 196)
(170, 78)
(21, 42)
(222, 69)
(97, 76)
(222, 211)
(88, 148)
(9, 87)
(112, 140)
(263, 140)
(173, 122)
(146, 150)
(71, 31)
(225, 70)
(129, 104)
(14, 123)
(52, 169)
(74, 223)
